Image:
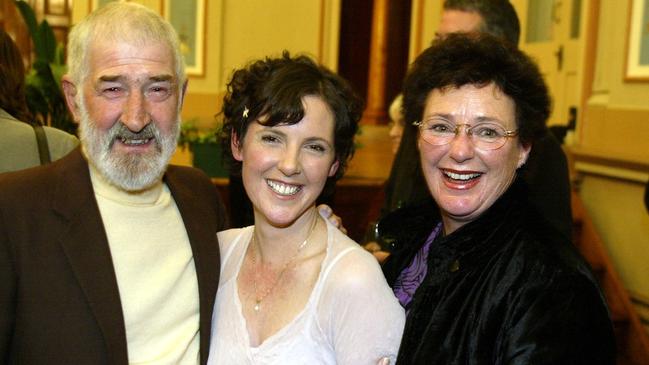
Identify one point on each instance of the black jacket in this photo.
(503, 289)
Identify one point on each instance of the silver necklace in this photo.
(258, 298)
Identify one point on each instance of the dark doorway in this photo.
(355, 40)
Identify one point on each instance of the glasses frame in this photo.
(468, 127)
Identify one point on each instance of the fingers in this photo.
(377, 251)
(372, 246)
(325, 210)
(327, 213)
(384, 361)
(381, 255)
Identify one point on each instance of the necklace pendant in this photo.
(256, 307)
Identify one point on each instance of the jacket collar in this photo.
(410, 227)
(475, 240)
(85, 245)
(202, 237)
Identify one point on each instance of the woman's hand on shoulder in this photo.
(327, 213)
(376, 250)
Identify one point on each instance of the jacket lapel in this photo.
(86, 247)
(200, 222)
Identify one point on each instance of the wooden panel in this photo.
(616, 132)
(632, 339)
(358, 203)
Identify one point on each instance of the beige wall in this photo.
(425, 17)
(617, 114)
(239, 31)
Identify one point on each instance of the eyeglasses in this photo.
(484, 136)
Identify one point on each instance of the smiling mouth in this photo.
(461, 176)
(283, 189)
(134, 141)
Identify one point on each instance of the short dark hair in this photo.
(274, 87)
(12, 80)
(498, 16)
(480, 59)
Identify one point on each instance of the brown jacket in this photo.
(59, 301)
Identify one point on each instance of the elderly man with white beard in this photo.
(110, 255)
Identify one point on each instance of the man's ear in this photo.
(183, 91)
(235, 146)
(70, 92)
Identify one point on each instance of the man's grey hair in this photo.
(123, 22)
(498, 16)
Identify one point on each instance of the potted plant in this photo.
(43, 81)
(206, 151)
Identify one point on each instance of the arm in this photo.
(563, 322)
(358, 312)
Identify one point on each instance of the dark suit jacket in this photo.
(59, 301)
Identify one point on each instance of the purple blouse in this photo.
(412, 276)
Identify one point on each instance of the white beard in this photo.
(129, 172)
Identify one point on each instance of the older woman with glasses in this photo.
(483, 277)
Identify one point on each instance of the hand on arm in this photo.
(376, 250)
(373, 247)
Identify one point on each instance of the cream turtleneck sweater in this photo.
(155, 272)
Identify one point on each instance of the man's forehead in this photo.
(459, 21)
(126, 61)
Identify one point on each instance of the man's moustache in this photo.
(122, 133)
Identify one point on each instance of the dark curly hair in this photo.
(480, 59)
(274, 87)
(12, 80)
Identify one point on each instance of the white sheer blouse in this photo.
(351, 318)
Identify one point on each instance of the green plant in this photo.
(43, 81)
(205, 147)
(190, 134)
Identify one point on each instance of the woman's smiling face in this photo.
(463, 180)
(285, 167)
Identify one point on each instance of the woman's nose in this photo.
(461, 147)
(289, 162)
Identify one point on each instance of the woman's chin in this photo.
(460, 210)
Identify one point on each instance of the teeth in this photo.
(134, 142)
(463, 177)
(283, 189)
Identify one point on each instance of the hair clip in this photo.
(245, 111)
